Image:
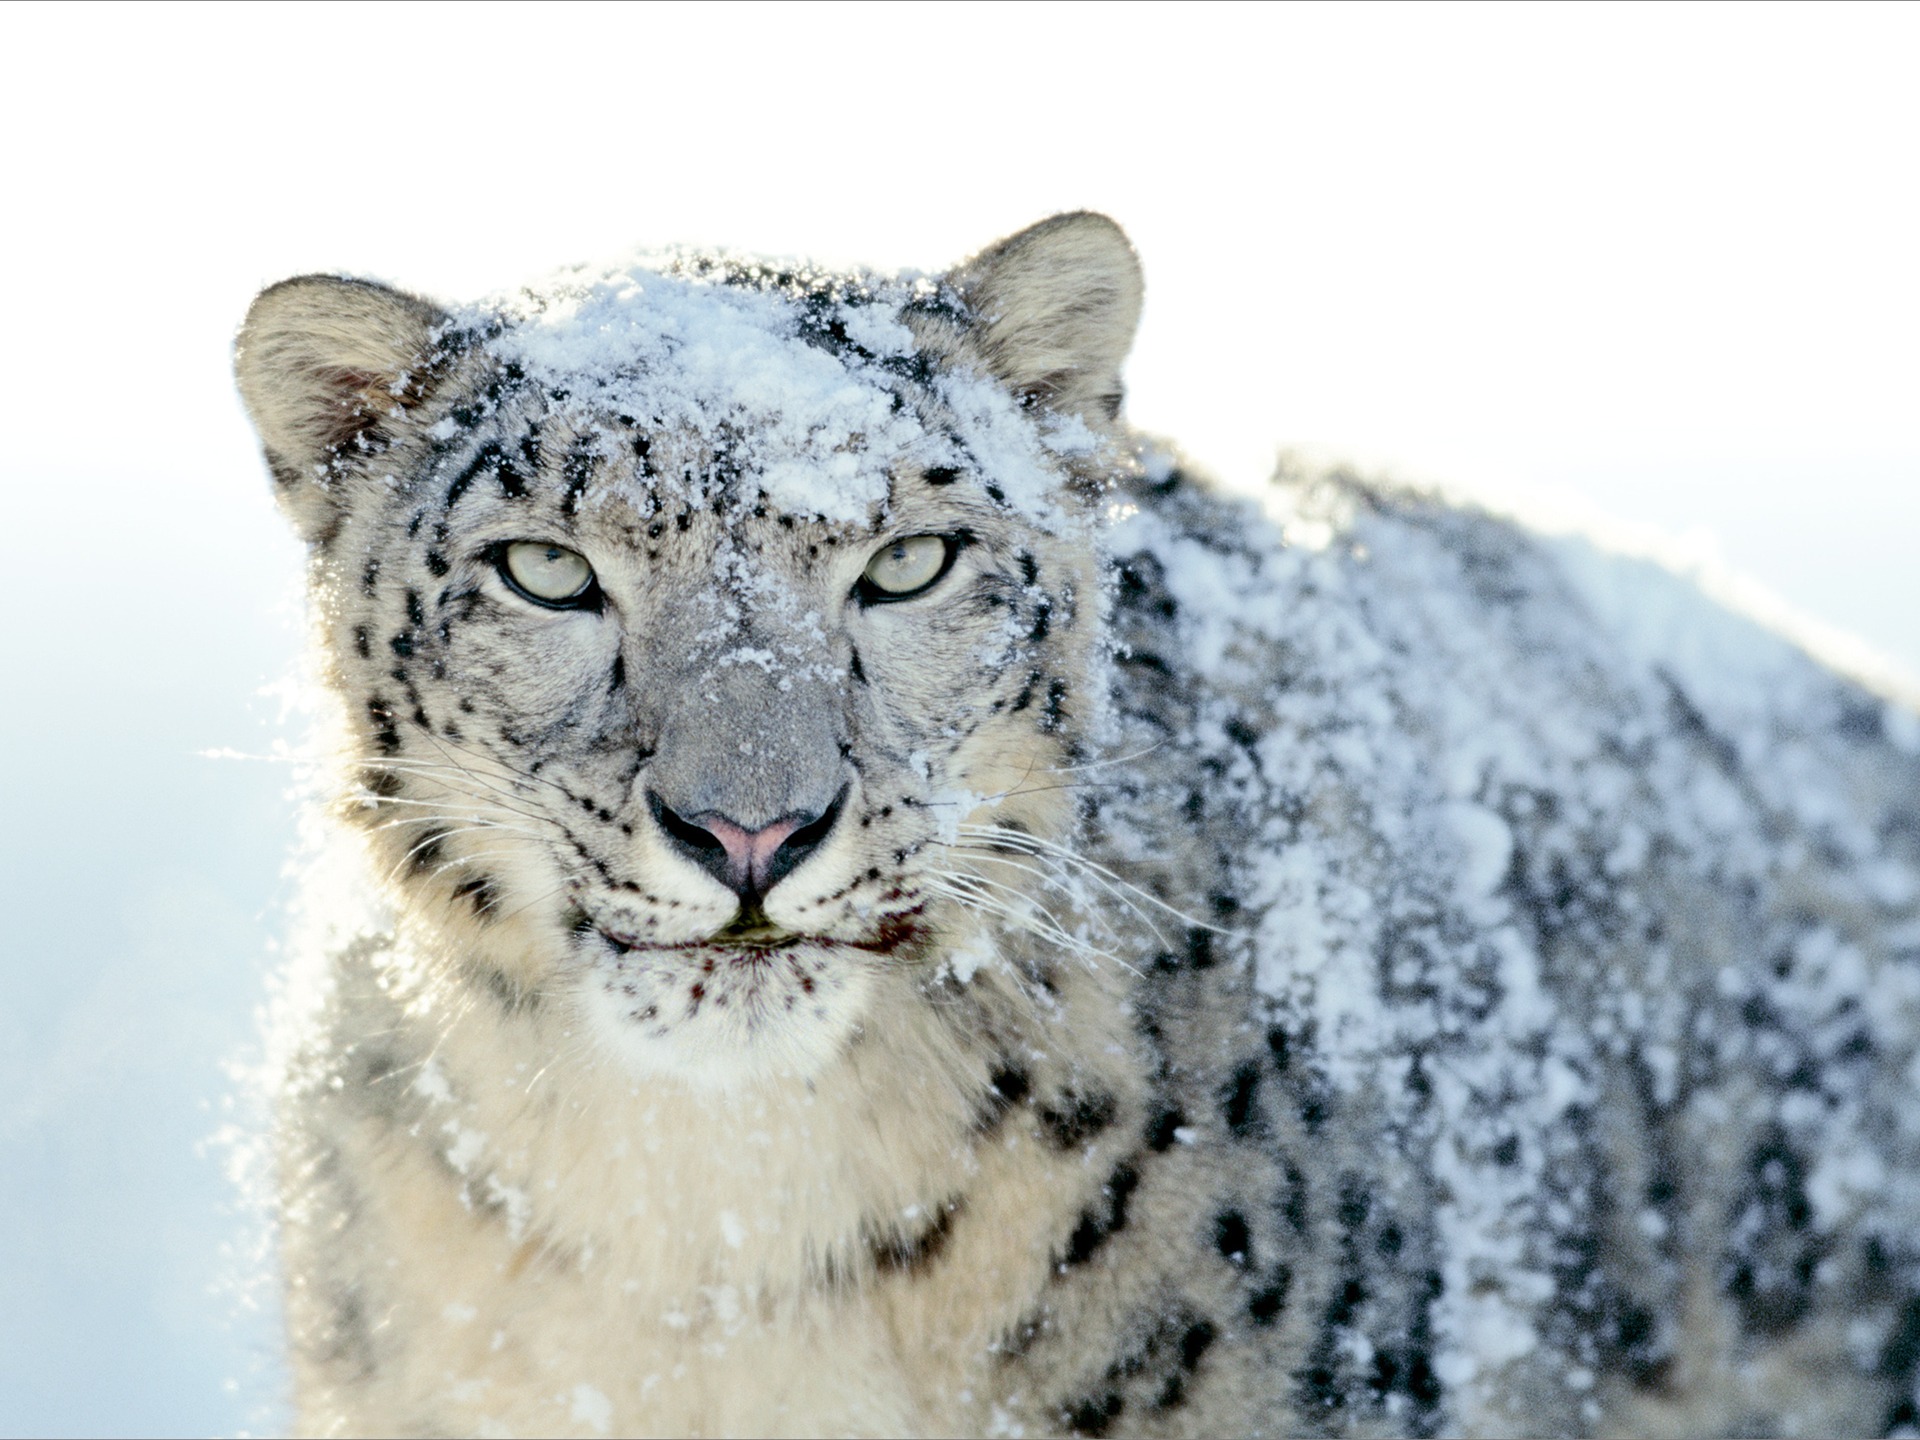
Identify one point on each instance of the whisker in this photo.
(1111, 760)
(1034, 844)
(445, 744)
(1061, 883)
(479, 821)
(1035, 919)
(426, 843)
(1121, 893)
(441, 772)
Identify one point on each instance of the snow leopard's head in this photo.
(715, 638)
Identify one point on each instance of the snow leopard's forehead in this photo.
(799, 389)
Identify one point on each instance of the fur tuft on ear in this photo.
(322, 362)
(1055, 308)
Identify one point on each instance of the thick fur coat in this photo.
(904, 912)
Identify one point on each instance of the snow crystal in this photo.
(591, 1408)
(431, 1084)
(467, 1146)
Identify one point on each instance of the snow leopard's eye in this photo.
(547, 574)
(906, 567)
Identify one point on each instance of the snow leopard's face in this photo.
(712, 651)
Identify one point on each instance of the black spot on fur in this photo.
(941, 475)
(915, 1254)
(1862, 721)
(361, 642)
(1100, 1223)
(1632, 1336)
(1267, 1304)
(1006, 1088)
(1056, 701)
(1240, 1102)
(1167, 1343)
(1093, 1416)
(1199, 948)
(1143, 587)
(514, 479)
(488, 457)
(1313, 1111)
(1324, 1383)
(1281, 1045)
(1025, 697)
(576, 471)
(1900, 1364)
(437, 563)
(379, 781)
(1160, 1130)
(617, 677)
(1011, 1084)
(855, 668)
(1773, 1249)
(1077, 1119)
(481, 893)
(424, 854)
(386, 734)
(1195, 1341)
(1232, 1237)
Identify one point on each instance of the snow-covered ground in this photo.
(1658, 266)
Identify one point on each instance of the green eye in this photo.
(548, 574)
(906, 567)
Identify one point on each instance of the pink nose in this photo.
(747, 862)
(749, 852)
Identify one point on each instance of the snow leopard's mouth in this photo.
(756, 940)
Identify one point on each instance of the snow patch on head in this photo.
(794, 378)
(728, 364)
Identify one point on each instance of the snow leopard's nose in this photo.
(748, 862)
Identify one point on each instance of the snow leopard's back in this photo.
(1568, 968)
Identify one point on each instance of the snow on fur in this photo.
(1446, 737)
(790, 372)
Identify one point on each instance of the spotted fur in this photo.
(1022, 1101)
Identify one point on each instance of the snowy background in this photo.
(1656, 266)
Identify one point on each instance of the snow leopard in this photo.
(895, 906)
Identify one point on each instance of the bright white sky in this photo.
(1659, 257)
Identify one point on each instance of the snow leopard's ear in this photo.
(1054, 311)
(323, 363)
